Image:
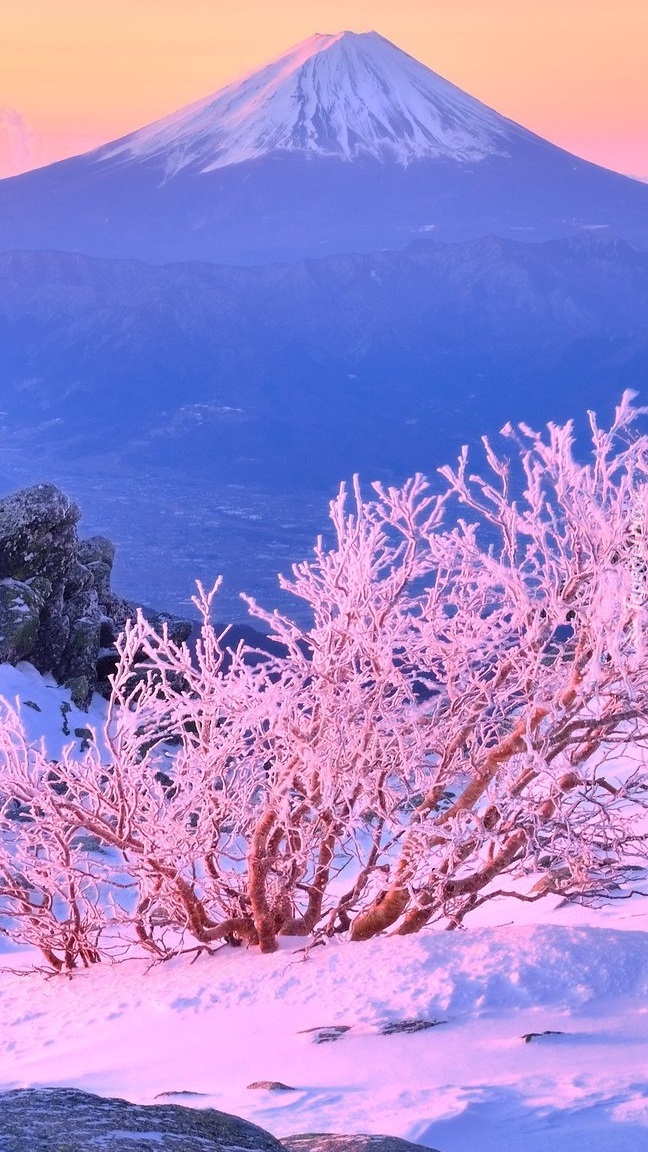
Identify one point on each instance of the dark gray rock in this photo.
(272, 1086)
(57, 608)
(408, 1027)
(67, 1120)
(95, 550)
(38, 534)
(20, 606)
(177, 1092)
(49, 610)
(327, 1034)
(529, 1036)
(330, 1142)
(97, 554)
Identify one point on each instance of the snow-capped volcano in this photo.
(343, 144)
(347, 96)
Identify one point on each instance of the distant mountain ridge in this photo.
(343, 144)
(202, 415)
(145, 359)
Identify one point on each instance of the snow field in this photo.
(213, 1026)
(207, 1025)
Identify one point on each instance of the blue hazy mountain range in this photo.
(325, 268)
(204, 414)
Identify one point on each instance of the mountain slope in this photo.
(344, 96)
(345, 143)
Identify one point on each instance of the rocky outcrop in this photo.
(361, 1142)
(57, 608)
(48, 1119)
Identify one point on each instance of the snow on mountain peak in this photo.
(347, 96)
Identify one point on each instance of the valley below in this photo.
(203, 416)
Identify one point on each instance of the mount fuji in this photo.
(345, 143)
(347, 96)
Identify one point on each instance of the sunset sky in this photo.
(75, 73)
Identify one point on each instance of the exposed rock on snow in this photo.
(46, 1119)
(328, 1142)
(57, 609)
(328, 1034)
(272, 1086)
(407, 1027)
(529, 1036)
(43, 1120)
(49, 606)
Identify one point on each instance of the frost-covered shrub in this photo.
(466, 714)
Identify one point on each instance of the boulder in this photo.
(66, 1119)
(272, 1086)
(330, 1142)
(48, 611)
(97, 555)
(408, 1027)
(69, 1120)
(57, 608)
(21, 603)
(327, 1034)
(38, 534)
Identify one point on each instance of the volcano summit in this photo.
(350, 96)
(345, 143)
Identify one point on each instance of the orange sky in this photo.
(74, 73)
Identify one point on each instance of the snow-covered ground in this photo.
(205, 1027)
